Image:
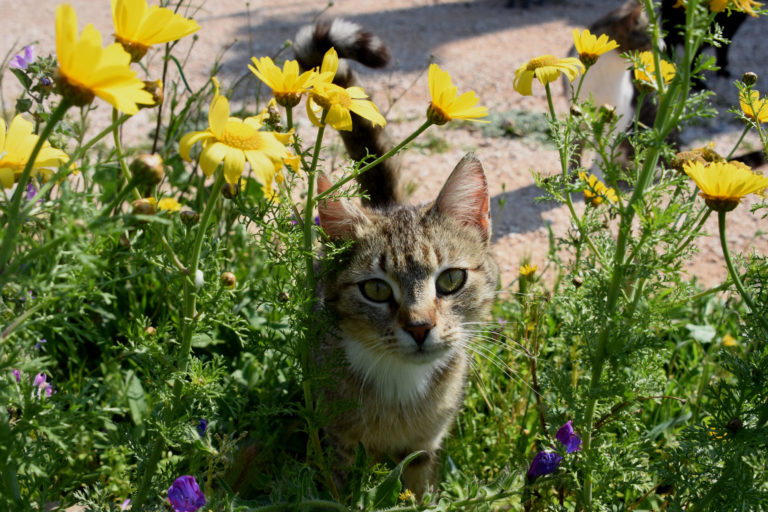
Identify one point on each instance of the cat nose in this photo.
(419, 332)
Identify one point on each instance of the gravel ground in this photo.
(480, 43)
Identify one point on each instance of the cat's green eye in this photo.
(376, 290)
(451, 281)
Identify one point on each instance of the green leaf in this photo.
(26, 82)
(385, 494)
(137, 402)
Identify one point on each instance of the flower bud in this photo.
(75, 94)
(606, 113)
(749, 78)
(150, 331)
(189, 217)
(230, 190)
(143, 207)
(134, 49)
(148, 169)
(576, 111)
(228, 279)
(155, 88)
(436, 115)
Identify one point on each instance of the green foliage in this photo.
(121, 348)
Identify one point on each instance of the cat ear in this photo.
(465, 196)
(338, 216)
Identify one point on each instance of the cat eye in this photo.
(376, 290)
(451, 281)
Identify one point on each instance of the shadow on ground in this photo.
(511, 218)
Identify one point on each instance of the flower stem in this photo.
(564, 169)
(738, 143)
(288, 118)
(309, 210)
(734, 275)
(190, 295)
(12, 216)
(182, 360)
(120, 156)
(119, 198)
(333, 188)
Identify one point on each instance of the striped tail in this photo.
(382, 183)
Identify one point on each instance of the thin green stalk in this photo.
(746, 297)
(309, 209)
(103, 133)
(12, 216)
(119, 198)
(120, 156)
(333, 188)
(189, 292)
(738, 142)
(564, 168)
(694, 232)
(19, 320)
(288, 118)
(159, 122)
(187, 327)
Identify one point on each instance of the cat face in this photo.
(415, 279)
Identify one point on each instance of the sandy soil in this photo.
(480, 43)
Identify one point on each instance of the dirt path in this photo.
(480, 43)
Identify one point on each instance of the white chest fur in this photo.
(609, 81)
(394, 380)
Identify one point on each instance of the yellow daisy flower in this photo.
(589, 47)
(446, 104)
(15, 148)
(235, 141)
(339, 102)
(287, 84)
(87, 70)
(645, 73)
(758, 110)
(723, 184)
(596, 191)
(169, 204)
(139, 26)
(528, 270)
(739, 5)
(546, 69)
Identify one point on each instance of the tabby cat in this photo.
(406, 294)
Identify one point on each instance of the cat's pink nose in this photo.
(419, 332)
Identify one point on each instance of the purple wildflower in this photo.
(31, 191)
(40, 379)
(202, 427)
(24, 59)
(47, 82)
(17, 374)
(185, 495)
(49, 390)
(40, 344)
(317, 220)
(544, 463)
(125, 504)
(569, 438)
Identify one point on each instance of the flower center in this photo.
(340, 97)
(241, 136)
(540, 62)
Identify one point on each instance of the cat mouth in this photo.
(423, 354)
